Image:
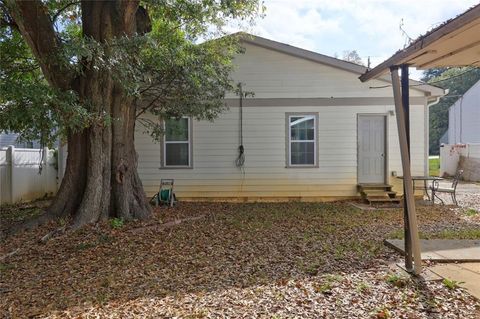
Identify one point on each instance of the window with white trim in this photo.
(177, 142)
(302, 140)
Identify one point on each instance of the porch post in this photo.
(407, 177)
(406, 108)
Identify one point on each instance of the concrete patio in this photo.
(443, 250)
(467, 274)
(457, 260)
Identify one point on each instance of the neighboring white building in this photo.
(464, 118)
(312, 131)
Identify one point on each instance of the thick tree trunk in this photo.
(101, 178)
(110, 186)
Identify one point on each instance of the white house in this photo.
(312, 132)
(464, 118)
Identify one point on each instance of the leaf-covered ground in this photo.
(285, 260)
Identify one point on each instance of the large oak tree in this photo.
(87, 71)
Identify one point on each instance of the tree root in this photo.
(168, 224)
(2, 258)
(51, 234)
(30, 223)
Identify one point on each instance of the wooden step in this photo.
(383, 200)
(374, 186)
(378, 192)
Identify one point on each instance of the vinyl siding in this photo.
(464, 118)
(271, 74)
(265, 175)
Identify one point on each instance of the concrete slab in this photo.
(467, 274)
(443, 250)
(426, 274)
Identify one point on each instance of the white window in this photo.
(177, 143)
(302, 140)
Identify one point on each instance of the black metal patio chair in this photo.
(448, 190)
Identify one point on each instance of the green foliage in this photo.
(363, 287)
(85, 246)
(396, 280)
(457, 81)
(324, 288)
(182, 67)
(462, 233)
(19, 212)
(28, 104)
(471, 212)
(116, 223)
(382, 313)
(5, 267)
(451, 284)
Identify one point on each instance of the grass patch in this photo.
(469, 233)
(85, 246)
(19, 212)
(5, 267)
(471, 212)
(466, 233)
(451, 284)
(363, 287)
(434, 166)
(396, 280)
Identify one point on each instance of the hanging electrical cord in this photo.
(240, 160)
(42, 154)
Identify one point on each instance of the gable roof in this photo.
(357, 69)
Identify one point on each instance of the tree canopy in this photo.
(88, 70)
(352, 56)
(180, 67)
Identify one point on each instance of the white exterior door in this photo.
(371, 149)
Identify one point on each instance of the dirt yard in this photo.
(199, 260)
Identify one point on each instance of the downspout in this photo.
(427, 133)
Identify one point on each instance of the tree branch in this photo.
(37, 29)
(59, 12)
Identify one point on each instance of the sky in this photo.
(371, 27)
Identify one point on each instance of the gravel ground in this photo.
(468, 195)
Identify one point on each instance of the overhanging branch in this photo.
(36, 28)
(65, 7)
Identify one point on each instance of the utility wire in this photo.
(433, 82)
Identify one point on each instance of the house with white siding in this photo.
(312, 132)
(464, 118)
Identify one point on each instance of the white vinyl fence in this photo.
(460, 156)
(21, 177)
